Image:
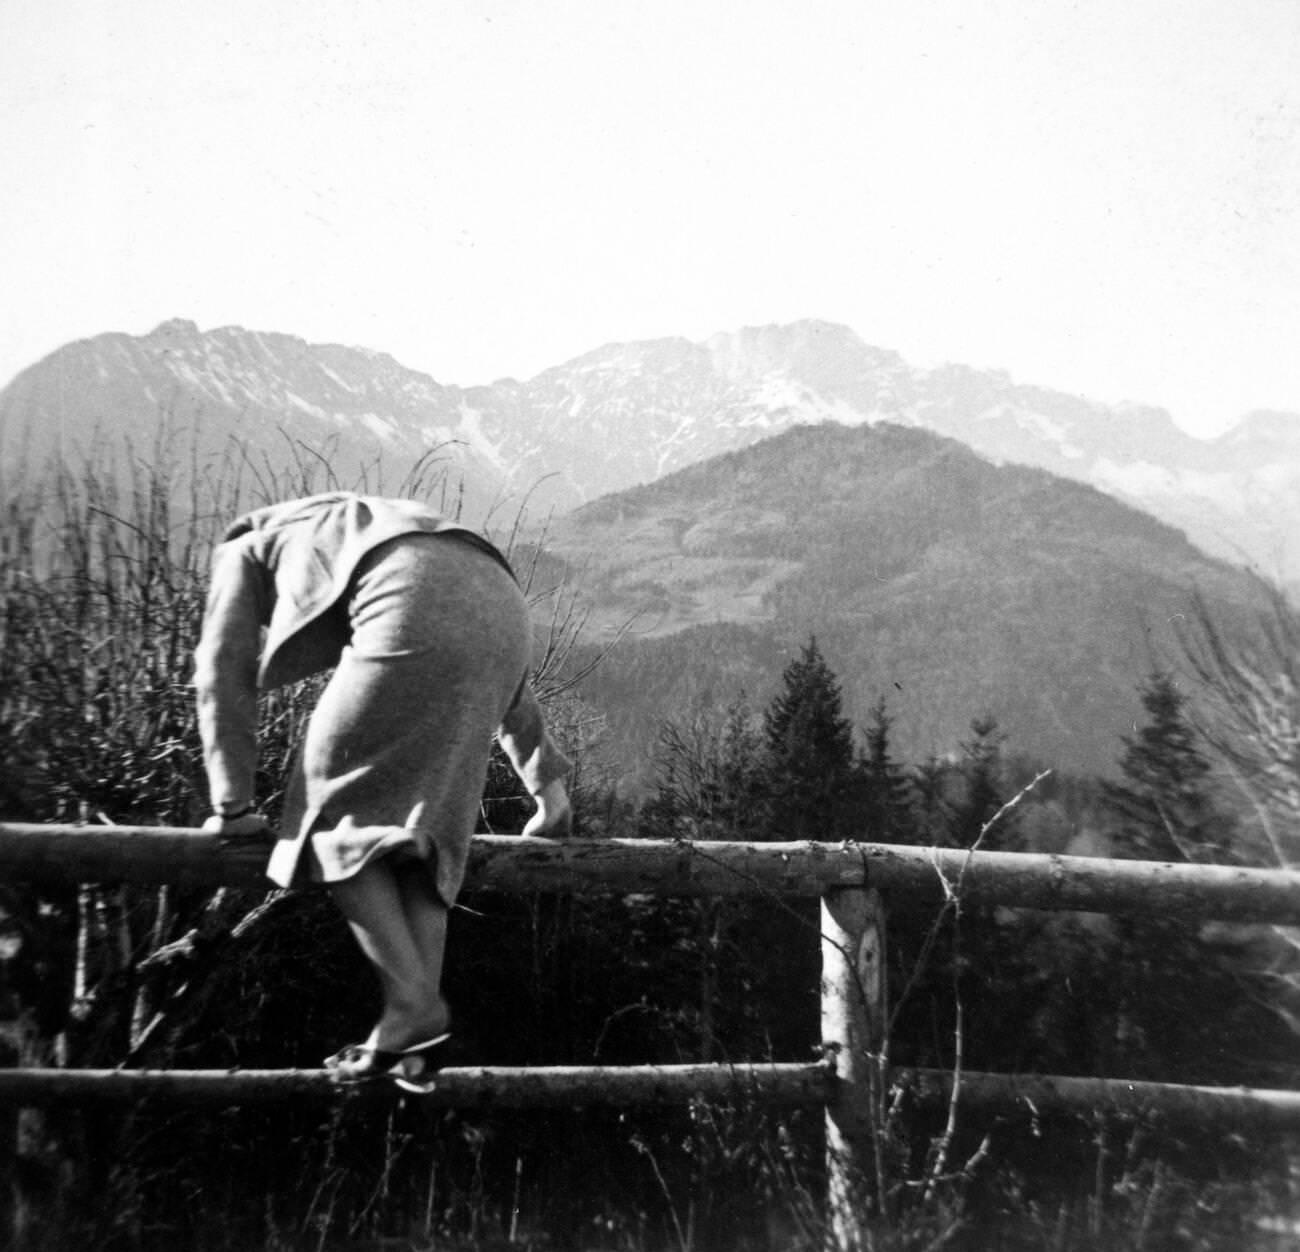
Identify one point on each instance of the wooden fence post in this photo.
(853, 1018)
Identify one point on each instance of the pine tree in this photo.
(930, 782)
(983, 792)
(889, 803)
(812, 775)
(1165, 808)
(1167, 974)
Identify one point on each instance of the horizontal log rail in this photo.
(1170, 1103)
(624, 1086)
(534, 1086)
(73, 854)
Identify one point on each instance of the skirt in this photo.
(395, 754)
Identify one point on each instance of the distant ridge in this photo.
(629, 413)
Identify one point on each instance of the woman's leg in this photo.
(426, 919)
(401, 926)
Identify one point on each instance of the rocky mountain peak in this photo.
(174, 329)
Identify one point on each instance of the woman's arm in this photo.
(225, 673)
(541, 766)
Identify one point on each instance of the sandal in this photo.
(412, 1068)
(344, 1053)
(359, 1062)
(417, 1067)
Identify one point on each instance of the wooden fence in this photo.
(852, 880)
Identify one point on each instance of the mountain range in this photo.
(959, 544)
(626, 414)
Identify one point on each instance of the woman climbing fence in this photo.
(429, 637)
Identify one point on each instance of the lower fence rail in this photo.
(577, 1086)
(488, 1087)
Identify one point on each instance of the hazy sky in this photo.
(1102, 197)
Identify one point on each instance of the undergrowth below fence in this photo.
(719, 1178)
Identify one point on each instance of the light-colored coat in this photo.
(280, 570)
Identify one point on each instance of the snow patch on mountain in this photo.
(203, 380)
(469, 429)
(1040, 426)
(679, 435)
(305, 406)
(1145, 481)
(339, 381)
(383, 427)
(777, 396)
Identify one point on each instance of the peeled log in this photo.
(579, 1086)
(72, 854)
(1035, 1094)
(563, 1086)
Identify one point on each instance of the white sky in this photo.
(1102, 197)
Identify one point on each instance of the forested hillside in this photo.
(952, 586)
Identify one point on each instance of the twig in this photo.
(953, 897)
(683, 1241)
